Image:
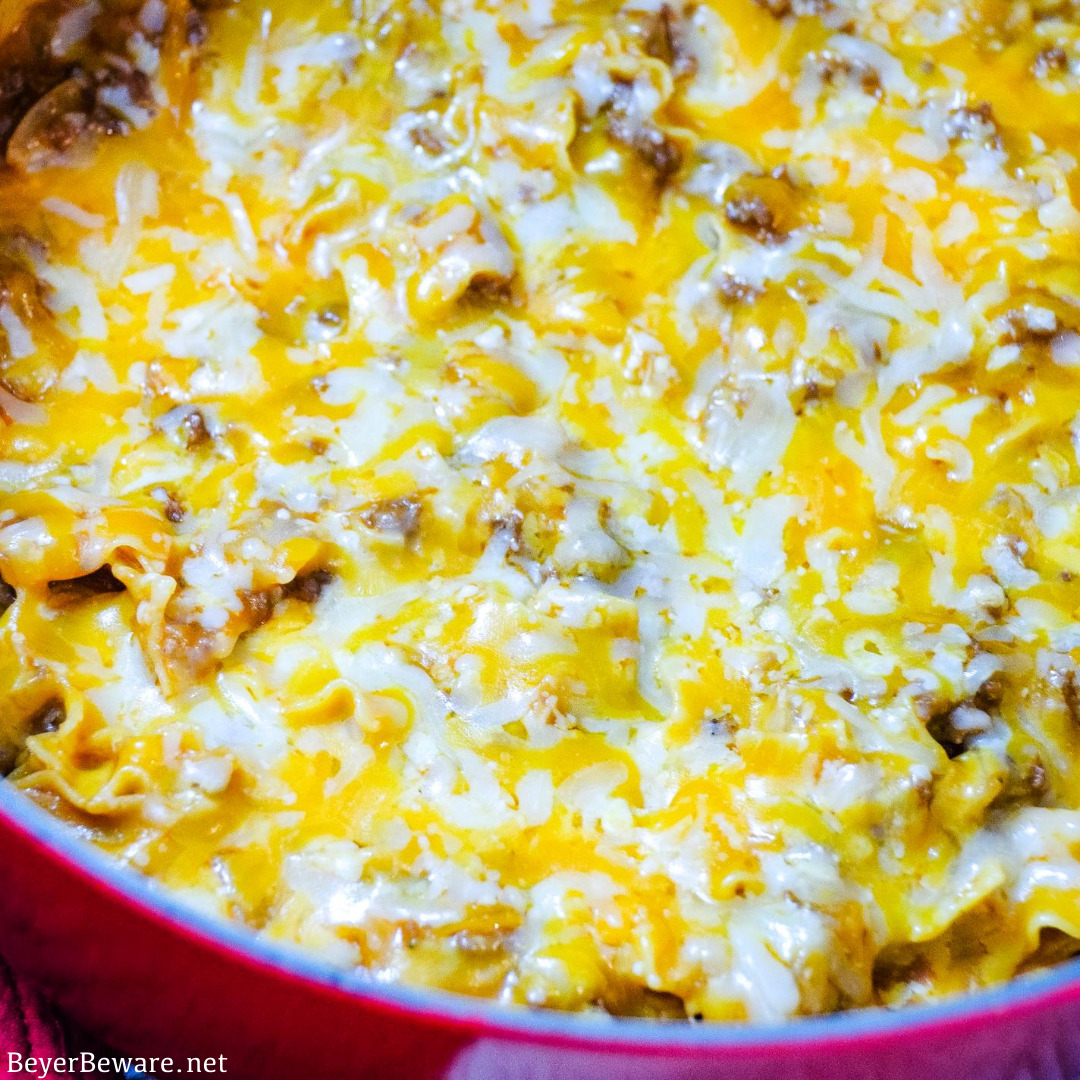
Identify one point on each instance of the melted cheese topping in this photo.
(573, 502)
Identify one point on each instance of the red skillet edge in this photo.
(154, 978)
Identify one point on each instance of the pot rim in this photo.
(854, 1030)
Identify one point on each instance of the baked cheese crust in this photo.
(568, 502)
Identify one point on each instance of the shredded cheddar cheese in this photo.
(569, 502)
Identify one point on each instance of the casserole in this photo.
(570, 504)
(154, 979)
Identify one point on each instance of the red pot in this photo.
(153, 978)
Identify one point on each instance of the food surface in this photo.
(569, 502)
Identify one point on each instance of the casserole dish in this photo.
(575, 505)
(154, 979)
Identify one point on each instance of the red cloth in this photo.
(27, 1024)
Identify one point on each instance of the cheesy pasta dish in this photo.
(574, 502)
